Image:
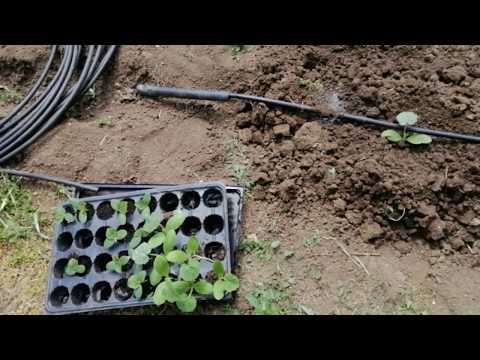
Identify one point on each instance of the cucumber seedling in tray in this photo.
(161, 245)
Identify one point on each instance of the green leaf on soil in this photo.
(392, 135)
(407, 118)
(418, 139)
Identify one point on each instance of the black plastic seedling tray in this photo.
(206, 207)
(235, 205)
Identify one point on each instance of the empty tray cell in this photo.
(169, 202)
(105, 210)
(101, 291)
(80, 294)
(191, 226)
(64, 241)
(121, 291)
(59, 296)
(101, 262)
(190, 200)
(215, 250)
(83, 238)
(213, 224)
(212, 197)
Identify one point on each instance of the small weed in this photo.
(9, 96)
(260, 248)
(311, 85)
(316, 275)
(105, 121)
(314, 240)
(406, 119)
(237, 166)
(265, 300)
(407, 303)
(16, 211)
(236, 50)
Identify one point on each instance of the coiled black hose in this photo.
(156, 91)
(41, 110)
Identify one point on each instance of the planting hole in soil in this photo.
(215, 251)
(101, 235)
(168, 202)
(105, 210)
(59, 268)
(59, 296)
(213, 224)
(130, 231)
(129, 265)
(83, 238)
(190, 200)
(101, 291)
(64, 241)
(101, 262)
(80, 294)
(212, 197)
(191, 226)
(85, 261)
(121, 291)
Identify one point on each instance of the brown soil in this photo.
(412, 215)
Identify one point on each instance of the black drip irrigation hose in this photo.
(45, 106)
(156, 91)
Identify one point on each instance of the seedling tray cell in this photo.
(206, 208)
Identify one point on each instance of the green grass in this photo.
(237, 164)
(7, 95)
(105, 121)
(311, 85)
(16, 212)
(271, 299)
(260, 248)
(314, 240)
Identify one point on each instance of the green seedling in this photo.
(62, 216)
(237, 49)
(226, 282)
(7, 95)
(80, 208)
(73, 267)
(104, 122)
(135, 282)
(113, 236)
(406, 119)
(265, 301)
(143, 205)
(121, 208)
(314, 240)
(117, 262)
(180, 289)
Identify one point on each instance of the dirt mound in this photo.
(429, 193)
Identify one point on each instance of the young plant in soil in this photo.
(112, 236)
(63, 216)
(80, 208)
(73, 267)
(406, 119)
(178, 290)
(117, 263)
(121, 208)
(143, 205)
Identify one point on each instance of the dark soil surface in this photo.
(410, 216)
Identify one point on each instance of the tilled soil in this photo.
(410, 216)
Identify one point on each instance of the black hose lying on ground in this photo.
(156, 91)
(43, 108)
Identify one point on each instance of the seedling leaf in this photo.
(392, 135)
(418, 139)
(189, 272)
(161, 265)
(218, 268)
(158, 297)
(192, 245)
(170, 241)
(203, 287)
(218, 290)
(186, 303)
(122, 219)
(177, 256)
(231, 282)
(137, 293)
(175, 221)
(156, 240)
(155, 277)
(407, 118)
